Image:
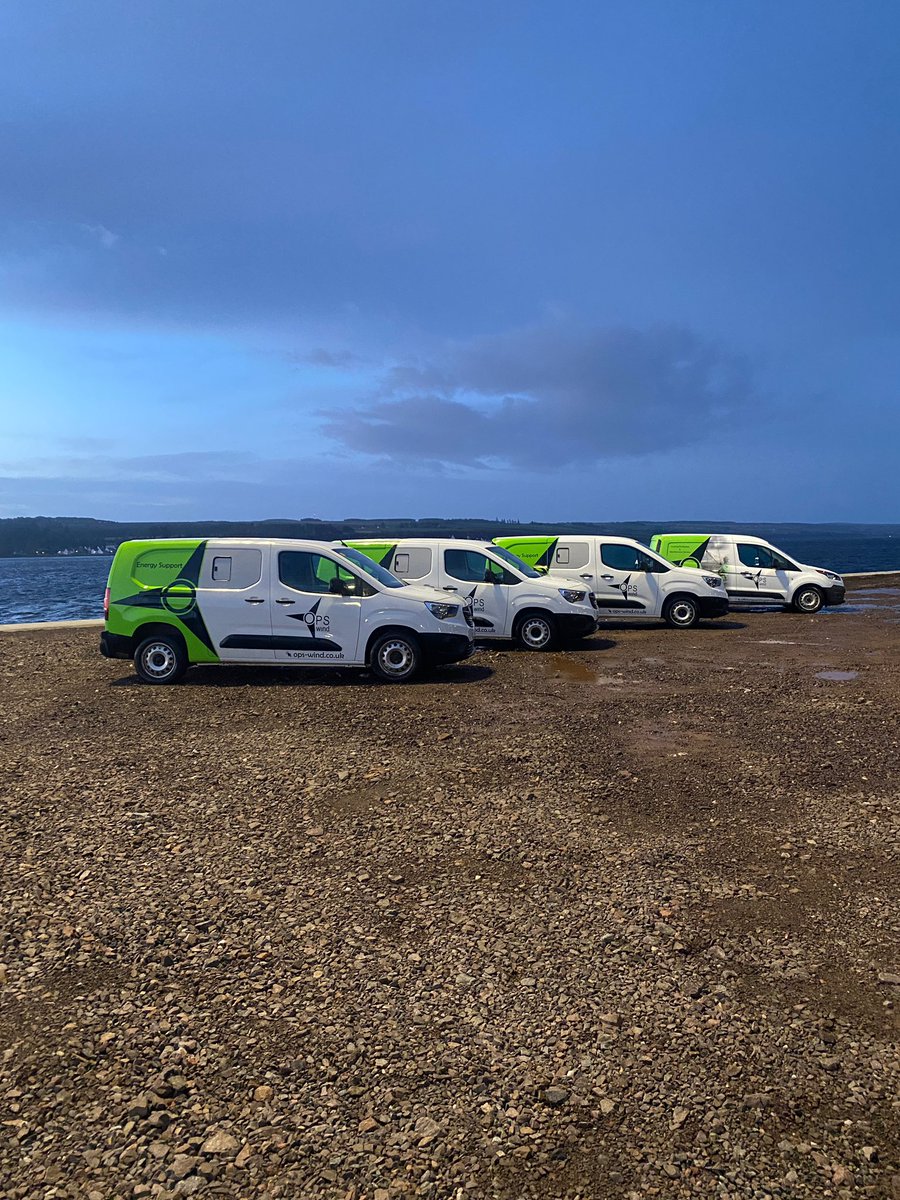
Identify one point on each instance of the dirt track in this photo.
(615, 922)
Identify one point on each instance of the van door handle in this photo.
(587, 577)
(451, 589)
(254, 600)
(284, 601)
(607, 577)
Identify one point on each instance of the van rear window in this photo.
(240, 567)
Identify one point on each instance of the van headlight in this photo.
(830, 575)
(712, 580)
(441, 610)
(571, 595)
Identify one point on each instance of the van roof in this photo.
(314, 543)
(744, 537)
(568, 537)
(402, 541)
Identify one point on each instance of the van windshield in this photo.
(513, 561)
(371, 567)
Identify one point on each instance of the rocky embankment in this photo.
(620, 922)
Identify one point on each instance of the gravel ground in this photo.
(617, 922)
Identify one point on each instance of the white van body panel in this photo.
(616, 570)
(495, 606)
(232, 592)
(757, 573)
(300, 625)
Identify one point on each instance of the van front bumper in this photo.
(835, 594)
(711, 607)
(446, 647)
(575, 625)
(115, 645)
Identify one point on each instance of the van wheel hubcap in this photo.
(396, 658)
(159, 660)
(683, 614)
(535, 633)
(809, 601)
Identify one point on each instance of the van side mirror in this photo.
(343, 587)
(489, 576)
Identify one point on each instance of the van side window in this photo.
(629, 558)
(240, 568)
(305, 571)
(577, 554)
(755, 556)
(780, 563)
(472, 567)
(619, 558)
(414, 563)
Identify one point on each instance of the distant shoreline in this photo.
(85, 537)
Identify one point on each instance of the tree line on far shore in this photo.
(30, 536)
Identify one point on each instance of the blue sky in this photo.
(530, 260)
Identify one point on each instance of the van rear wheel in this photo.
(808, 599)
(536, 631)
(681, 612)
(396, 658)
(160, 659)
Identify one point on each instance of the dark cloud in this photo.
(553, 396)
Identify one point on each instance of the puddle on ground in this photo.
(675, 742)
(573, 670)
(886, 591)
(837, 676)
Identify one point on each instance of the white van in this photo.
(298, 603)
(629, 581)
(509, 599)
(753, 571)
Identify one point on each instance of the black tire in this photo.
(160, 659)
(536, 631)
(808, 599)
(395, 657)
(681, 612)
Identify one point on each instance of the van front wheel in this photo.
(396, 658)
(536, 631)
(808, 600)
(681, 612)
(160, 659)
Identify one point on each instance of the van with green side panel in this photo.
(509, 598)
(628, 581)
(753, 571)
(170, 604)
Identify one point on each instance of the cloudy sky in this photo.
(497, 258)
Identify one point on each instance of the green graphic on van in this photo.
(538, 552)
(379, 552)
(176, 596)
